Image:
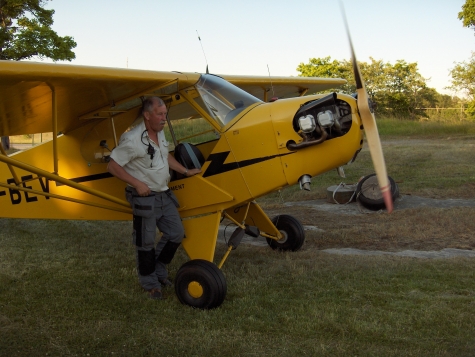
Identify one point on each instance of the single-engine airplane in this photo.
(246, 144)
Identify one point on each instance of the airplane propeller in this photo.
(371, 130)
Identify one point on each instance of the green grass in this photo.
(190, 130)
(425, 128)
(69, 289)
(31, 139)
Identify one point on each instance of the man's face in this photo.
(157, 117)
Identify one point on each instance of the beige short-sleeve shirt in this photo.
(132, 155)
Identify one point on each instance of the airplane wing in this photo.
(26, 93)
(265, 88)
(84, 93)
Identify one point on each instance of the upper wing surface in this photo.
(283, 87)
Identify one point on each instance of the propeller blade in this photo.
(371, 130)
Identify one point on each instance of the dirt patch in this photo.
(444, 253)
(402, 202)
(417, 224)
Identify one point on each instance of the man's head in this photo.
(154, 112)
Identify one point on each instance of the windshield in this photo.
(221, 99)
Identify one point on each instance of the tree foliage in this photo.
(25, 32)
(467, 15)
(463, 74)
(398, 90)
(463, 79)
(326, 68)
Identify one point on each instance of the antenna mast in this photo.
(270, 79)
(206, 60)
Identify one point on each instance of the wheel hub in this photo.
(284, 237)
(195, 289)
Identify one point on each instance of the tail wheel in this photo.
(369, 193)
(200, 283)
(292, 232)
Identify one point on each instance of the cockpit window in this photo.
(222, 100)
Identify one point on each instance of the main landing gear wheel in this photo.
(200, 283)
(292, 231)
(369, 193)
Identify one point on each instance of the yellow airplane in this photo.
(246, 143)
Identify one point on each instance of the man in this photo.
(142, 161)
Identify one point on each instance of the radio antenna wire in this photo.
(206, 60)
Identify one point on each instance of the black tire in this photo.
(292, 229)
(369, 193)
(201, 284)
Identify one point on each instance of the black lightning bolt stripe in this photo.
(217, 165)
(2, 193)
(88, 178)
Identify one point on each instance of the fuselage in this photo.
(259, 148)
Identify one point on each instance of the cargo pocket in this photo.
(144, 232)
(143, 206)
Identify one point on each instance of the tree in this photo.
(25, 32)
(326, 68)
(467, 15)
(398, 90)
(463, 75)
(406, 90)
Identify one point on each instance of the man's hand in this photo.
(175, 165)
(142, 189)
(192, 172)
(119, 172)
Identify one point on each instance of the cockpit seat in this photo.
(238, 107)
(189, 156)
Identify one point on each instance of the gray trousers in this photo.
(157, 211)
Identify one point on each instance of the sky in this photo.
(254, 37)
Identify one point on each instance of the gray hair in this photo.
(149, 102)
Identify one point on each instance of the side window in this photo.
(188, 126)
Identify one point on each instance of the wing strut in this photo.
(113, 130)
(65, 198)
(54, 113)
(57, 178)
